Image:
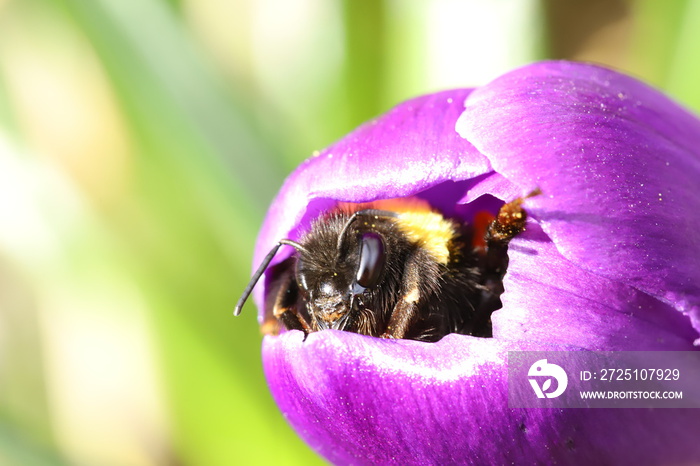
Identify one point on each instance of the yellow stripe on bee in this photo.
(418, 222)
(430, 230)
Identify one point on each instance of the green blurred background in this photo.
(140, 144)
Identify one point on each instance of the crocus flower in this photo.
(610, 260)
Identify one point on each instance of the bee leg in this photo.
(285, 310)
(509, 222)
(404, 312)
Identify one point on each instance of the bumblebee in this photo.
(391, 269)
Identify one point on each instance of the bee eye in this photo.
(372, 260)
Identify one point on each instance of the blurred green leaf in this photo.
(203, 175)
(684, 66)
(654, 38)
(175, 100)
(16, 449)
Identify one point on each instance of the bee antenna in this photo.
(353, 217)
(261, 270)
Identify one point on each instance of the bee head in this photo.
(338, 273)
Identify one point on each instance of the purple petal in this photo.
(550, 299)
(618, 163)
(363, 400)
